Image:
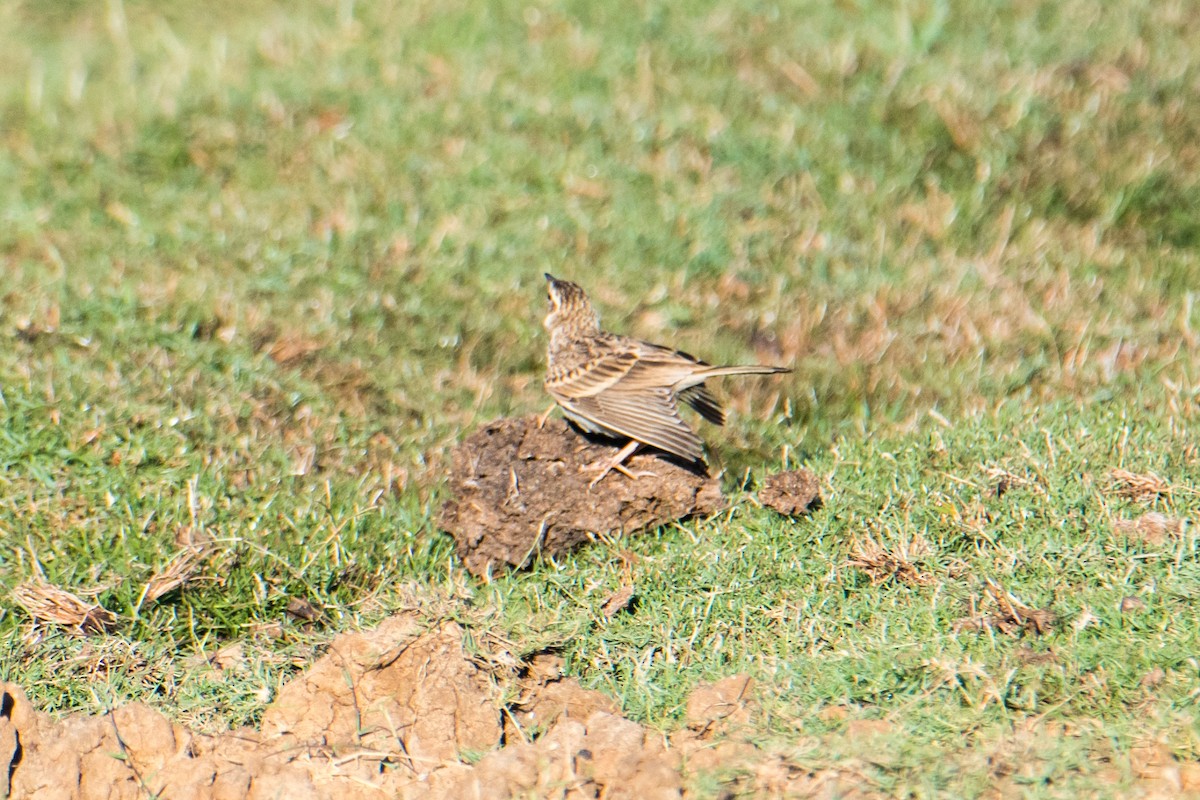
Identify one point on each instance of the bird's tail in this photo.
(747, 369)
(698, 378)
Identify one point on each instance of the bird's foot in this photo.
(618, 463)
(542, 419)
(621, 468)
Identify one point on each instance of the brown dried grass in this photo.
(178, 572)
(1011, 616)
(49, 604)
(882, 563)
(1139, 487)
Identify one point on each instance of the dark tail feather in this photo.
(699, 398)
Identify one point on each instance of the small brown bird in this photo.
(623, 387)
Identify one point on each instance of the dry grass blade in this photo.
(292, 348)
(1011, 617)
(618, 601)
(882, 564)
(1151, 527)
(1002, 480)
(1137, 487)
(178, 571)
(50, 604)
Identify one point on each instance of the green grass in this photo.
(264, 264)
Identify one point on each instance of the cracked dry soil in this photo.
(389, 712)
(401, 711)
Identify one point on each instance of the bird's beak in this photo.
(550, 277)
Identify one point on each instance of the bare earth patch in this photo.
(380, 712)
(400, 711)
(388, 712)
(520, 490)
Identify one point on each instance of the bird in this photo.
(625, 388)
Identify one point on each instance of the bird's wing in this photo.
(626, 391)
(654, 366)
(593, 376)
(633, 388)
(649, 415)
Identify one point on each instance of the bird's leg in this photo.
(618, 464)
(542, 419)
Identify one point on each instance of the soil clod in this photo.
(520, 490)
(792, 493)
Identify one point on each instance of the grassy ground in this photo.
(264, 264)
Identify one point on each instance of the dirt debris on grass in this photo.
(620, 600)
(792, 493)
(717, 706)
(545, 695)
(520, 490)
(1152, 527)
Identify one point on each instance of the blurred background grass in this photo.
(264, 263)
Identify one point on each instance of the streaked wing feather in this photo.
(593, 377)
(632, 389)
(651, 417)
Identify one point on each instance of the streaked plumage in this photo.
(624, 387)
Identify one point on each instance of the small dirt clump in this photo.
(792, 493)
(521, 489)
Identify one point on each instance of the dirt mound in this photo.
(413, 692)
(520, 489)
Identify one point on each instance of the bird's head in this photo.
(571, 313)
